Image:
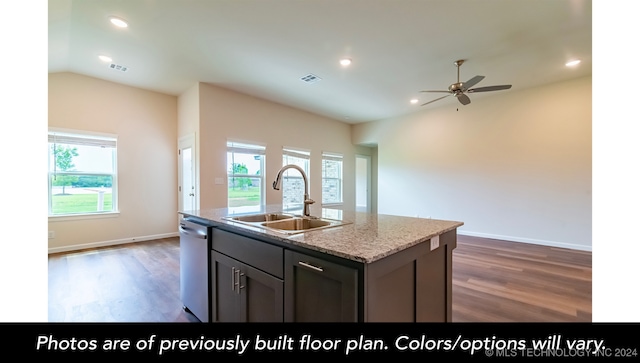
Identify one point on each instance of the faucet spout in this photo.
(307, 200)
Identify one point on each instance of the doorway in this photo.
(363, 183)
(187, 173)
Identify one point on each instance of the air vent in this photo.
(310, 78)
(118, 67)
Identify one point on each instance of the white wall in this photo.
(145, 123)
(225, 114)
(513, 165)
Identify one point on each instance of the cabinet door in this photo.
(242, 293)
(225, 301)
(261, 296)
(317, 290)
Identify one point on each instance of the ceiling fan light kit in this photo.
(460, 89)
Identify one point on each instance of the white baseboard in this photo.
(112, 242)
(572, 246)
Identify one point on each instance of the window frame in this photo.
(242, 147)
(333, 157)
(300, 154)
(85, 138)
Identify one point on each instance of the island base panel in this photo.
(413, 285)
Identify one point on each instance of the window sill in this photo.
(75, 217)
(332, 205)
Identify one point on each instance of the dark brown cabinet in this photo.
(260, 280)
(317, 290)
(413, 285)
(246, 279)
(243, 293)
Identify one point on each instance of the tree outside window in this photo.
(245, 165)
(82, 173)
(63, 156)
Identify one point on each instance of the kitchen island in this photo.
(367, 268)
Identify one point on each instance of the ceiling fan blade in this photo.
(490, 88)
(438, 91)
(437, 99)
(464, 99)
(473, 81)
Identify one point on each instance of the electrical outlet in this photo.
(52, 234)
(435, 242)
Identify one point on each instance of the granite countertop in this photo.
(366, 238)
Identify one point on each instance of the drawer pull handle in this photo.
(233, 279)
(237, 279)
(236, 275)
(306, 264)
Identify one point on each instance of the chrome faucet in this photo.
(307, 201)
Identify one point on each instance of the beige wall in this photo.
(226, 115)
(149, 124)
(514, 165)
(145, 123)
(188, 111)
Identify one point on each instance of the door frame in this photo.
(368, 182)
(185, 142)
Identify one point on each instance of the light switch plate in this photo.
(218, 181)
(435, 242)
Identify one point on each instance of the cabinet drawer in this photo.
(261, 255)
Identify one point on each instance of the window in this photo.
(82, 173)
(245, 172)
(331, 178)
(292, 181)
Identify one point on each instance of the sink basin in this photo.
(262, 217)
(297, 224)
(284, 223)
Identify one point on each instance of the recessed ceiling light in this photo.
(414, 101)
(345, 61)
(104, 58)
(118, 22)
(573, 63)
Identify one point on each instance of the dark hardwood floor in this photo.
(500, 281)
(134, 282)
(493, 281)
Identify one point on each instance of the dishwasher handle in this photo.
(192, 232)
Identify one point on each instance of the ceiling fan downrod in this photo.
(458, 63)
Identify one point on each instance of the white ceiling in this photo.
(263, 47)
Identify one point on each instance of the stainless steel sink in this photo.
(285, 223)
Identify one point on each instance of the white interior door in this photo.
(187, 173)
(363, 183)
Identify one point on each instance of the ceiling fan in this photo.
(460, 89)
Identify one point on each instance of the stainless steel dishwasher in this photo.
(195, 247)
